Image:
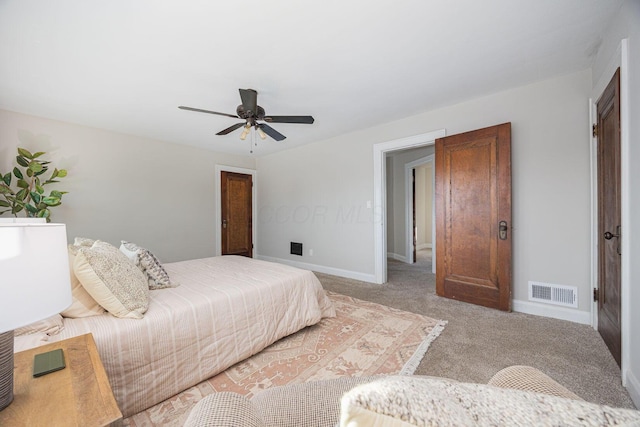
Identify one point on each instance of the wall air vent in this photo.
(553, 294)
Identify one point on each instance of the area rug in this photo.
(364, 338)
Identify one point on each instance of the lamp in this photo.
(34, 285)
(245, 131)
(261, 133)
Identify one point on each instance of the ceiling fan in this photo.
(254, 116)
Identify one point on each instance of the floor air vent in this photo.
(553, 294)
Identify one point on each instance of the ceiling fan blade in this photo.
(182, 107)
(307, 120)
(231, 129)
(271, 132)
(249, 100)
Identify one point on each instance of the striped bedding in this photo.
(225, 310)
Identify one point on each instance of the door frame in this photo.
(380, 195)
(408, 167)
(218, 214)
(620, 59)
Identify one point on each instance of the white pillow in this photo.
(150, 265)
(83, 304)
(112, 280)
(83, 241)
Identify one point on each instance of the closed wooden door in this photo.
(609, 217)
(236, 212)
(473, 217)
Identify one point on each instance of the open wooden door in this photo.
(236, 211)
(609, 217)
(473, 216)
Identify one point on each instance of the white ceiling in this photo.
(125, 65)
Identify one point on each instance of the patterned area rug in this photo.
(363, 339)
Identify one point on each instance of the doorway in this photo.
(237, 212)
(244, 243)
(420, 196)
(380, 151)
(619, 60)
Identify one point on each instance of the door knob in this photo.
(609, 235)
(224, 223)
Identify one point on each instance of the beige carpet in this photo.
(364, 338)
(479, 341)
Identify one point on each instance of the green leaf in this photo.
(32, 209)
(54, 174)
(22, 194)
(44, 213)
(41, 172)
(38, 154)
(50, 181)
(35, 197)
(39, 189)
(4, 189)
(58, 194)
(25, 153)
(22, 183)
(5, 204)
(35, 166)
(7, 178)
(62, 173)
(16, 209)
(22, 161)
(18, 173)
(51, 201)
(29, 173)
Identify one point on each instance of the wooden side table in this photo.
(78, 395)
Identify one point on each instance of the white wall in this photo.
(551, 196)
(627, 25)
(424, 196)
(159, 195)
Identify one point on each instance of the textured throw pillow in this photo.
(150, 265)
(410, 401)
(50, 326)
(112, 280)
(83, 304)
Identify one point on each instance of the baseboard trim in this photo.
(633, 387)
(322, 269)
(424, 246)
(397, 257)
(561, 313)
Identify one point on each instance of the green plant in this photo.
(28, 195)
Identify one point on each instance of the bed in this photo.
(225, 310)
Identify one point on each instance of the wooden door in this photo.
(236, 212)
(473, 217)
(609, 216)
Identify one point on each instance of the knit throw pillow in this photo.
(150, 265)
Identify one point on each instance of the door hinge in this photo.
(594, 130)
(596, 294)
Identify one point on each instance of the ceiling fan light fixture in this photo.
(245, 132)
(261, 133)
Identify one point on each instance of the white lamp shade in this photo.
(34, 273)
